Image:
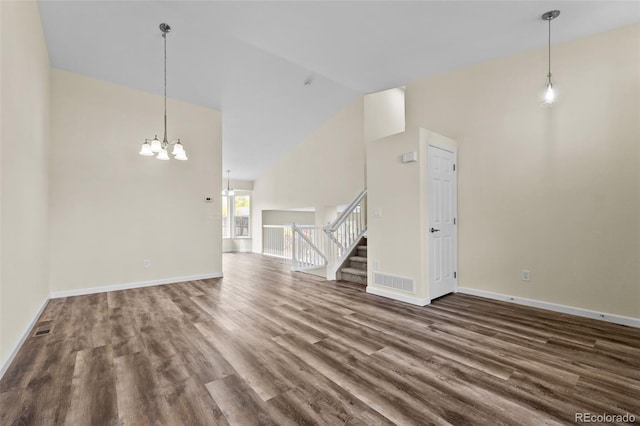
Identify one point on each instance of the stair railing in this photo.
(277, 241)
(345, 233)
(309, 245)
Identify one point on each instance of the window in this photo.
(241, 214)
(236, 216)
(226, 232)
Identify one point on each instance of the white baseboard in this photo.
(398, 296)
(604, 316)
(16, 347)
(116, 287)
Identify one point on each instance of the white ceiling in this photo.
(250, 59)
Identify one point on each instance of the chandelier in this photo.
(229, 191)
(155, 146)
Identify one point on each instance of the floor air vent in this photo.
(41, 332)
(393, 281)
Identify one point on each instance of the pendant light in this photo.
(550, 95)
(229, 191)
(155, 146)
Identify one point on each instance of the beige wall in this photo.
(111, 208)
(232, 245)
(393, 188)
(326, 169)
(24, 138)
(384, 113)
(554, 191)
(287, 217)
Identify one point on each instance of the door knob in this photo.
(432, 230)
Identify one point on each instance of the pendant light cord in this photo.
(549, 50)
(164, 35)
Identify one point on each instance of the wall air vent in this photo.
(393, 281)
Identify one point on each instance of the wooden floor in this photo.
(267, 346)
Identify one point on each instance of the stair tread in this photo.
(354, 271)
(362, 248)
(358, 258)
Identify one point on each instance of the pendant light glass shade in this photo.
(146, 149)
(156, 145)
(163, 155)
(178, 148)
(181, 157)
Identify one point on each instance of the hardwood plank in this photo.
(93, 396)
(139, 394)
(239, 404)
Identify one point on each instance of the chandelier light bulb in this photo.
(549, 94)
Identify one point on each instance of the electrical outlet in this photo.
(376, 265)
(377, 212)
(525, 275)
(147, 263)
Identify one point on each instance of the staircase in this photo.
(340, 246)
(355, 269)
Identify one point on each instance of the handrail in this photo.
(343, 216)
(345, 232)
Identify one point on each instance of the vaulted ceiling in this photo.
(250, 59)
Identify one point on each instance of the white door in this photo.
(442, 222)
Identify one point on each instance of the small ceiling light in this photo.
(228, 192)
(550, 95)
(157, 146)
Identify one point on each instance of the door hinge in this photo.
(455, 275)
(454, 167)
